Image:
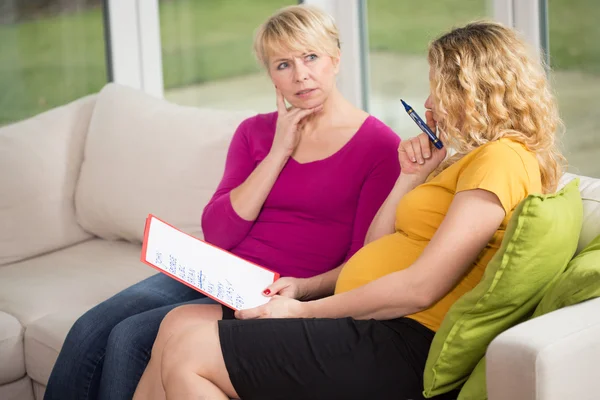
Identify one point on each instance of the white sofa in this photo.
(76, 184)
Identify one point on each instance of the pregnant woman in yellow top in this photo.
(428, 245)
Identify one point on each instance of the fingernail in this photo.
(267, 291)
(413, 159)
(426, 155)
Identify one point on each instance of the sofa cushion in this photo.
(144, 155)
(12, 360)
(590, 195)
(44, 339)
(475, 387)
(580, 281)
(38, 390)
(18, 390)
(78, 276)
(40, 160)
(541, 237)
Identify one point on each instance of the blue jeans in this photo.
(108, 348)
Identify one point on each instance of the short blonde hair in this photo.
(487, 84)
(297, 28)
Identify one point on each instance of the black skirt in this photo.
(329, 359)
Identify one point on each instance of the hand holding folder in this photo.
(218, 274)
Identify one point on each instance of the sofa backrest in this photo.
(145, 155)
(40, 159)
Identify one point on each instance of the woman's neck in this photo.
(337, 111)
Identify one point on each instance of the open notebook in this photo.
(218, 274)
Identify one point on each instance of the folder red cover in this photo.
(210, 270)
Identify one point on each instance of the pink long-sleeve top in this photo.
(317, 214)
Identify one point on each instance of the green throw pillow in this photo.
(475, 387)
(580, 282)
(540, 239)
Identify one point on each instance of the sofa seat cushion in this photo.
(12, 360)
(44, 339)
(38, 390)
(145, 155)
(82, 275)
(18, 390)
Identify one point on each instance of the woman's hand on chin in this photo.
(418, 156)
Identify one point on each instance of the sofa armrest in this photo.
(552, 357)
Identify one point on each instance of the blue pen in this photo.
(436, 142)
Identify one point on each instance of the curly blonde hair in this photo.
(486, 84)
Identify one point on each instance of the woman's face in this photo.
(430, 102)
(305, 79)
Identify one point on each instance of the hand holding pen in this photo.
(426, 129)
(418, 155)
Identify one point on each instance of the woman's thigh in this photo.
(325, 358)
(157, 291)
(152, 293)
(136, 334)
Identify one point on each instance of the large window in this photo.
(51, 52)
(399, 31)
(207, 53)
(575, 59)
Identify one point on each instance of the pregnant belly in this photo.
(389, 254)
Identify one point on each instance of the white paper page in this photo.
(232, 280)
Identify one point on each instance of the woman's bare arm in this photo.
(384, 221)
(473, 218)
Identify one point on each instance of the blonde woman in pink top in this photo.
(300, 188)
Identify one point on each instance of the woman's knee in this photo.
(174, 320)
(171, 323)
(131, 336)
(183, 317)
(87, 335)
(192, 349)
